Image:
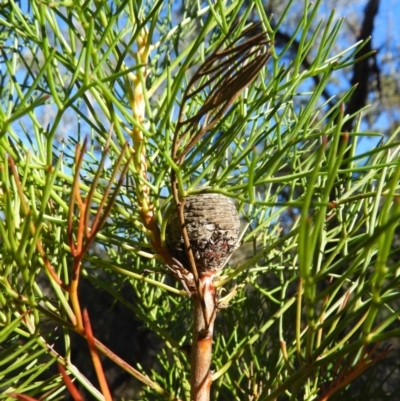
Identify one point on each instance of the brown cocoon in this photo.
(212, 224)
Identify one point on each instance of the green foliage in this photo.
(316, 279)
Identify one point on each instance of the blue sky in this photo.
(386, 38)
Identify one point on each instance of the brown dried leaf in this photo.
(224, 75)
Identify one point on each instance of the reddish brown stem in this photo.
(74, 392)
(204, 317)
(95, 357)
(22, 397)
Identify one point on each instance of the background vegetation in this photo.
(312, 292)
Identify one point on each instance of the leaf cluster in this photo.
(316, 279)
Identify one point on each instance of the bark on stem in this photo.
(204, 317)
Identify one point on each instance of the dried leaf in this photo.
(224, 75)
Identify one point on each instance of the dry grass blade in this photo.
(222, 76)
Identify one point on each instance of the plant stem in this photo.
(204, 317)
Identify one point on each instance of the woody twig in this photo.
(222, 77)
